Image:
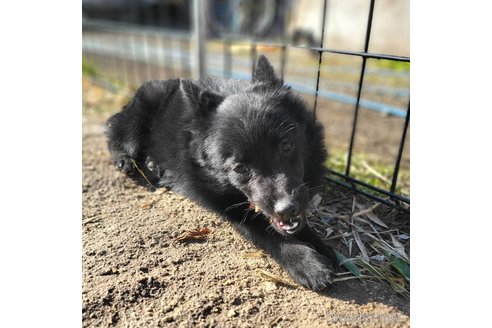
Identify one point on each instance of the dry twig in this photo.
(197, 234)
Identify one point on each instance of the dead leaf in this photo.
(197, 234)
(314, 203)
(400, 249)
(379, 258)
(369, 213)
(362, 220)
(328, 232)
(403, 236)
(374, 172)
(362, 210)
(92, 219)
(349, 244)
(149, 204)
(275, 278)
(374, 218)
(362, 248)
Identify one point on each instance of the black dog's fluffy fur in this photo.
(228, 144)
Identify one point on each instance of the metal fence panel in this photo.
(132, 51)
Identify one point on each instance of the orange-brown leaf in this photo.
(197, 234)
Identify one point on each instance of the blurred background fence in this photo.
(348, 58)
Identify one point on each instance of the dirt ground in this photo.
(134, 276)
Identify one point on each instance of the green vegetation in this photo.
(89, 68)
(370, 170)
(391, 64)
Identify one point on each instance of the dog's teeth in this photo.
(257, 209)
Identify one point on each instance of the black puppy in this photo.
(249, 150)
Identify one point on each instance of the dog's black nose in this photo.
(286, 208)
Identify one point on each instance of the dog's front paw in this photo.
(154, 168)
(125, 164)
(308, 267)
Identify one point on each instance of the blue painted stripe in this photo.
(345, 99)
(335, 96)
(154, 55)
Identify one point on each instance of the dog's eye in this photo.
(286, 147)
(240, 169)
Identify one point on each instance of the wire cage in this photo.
(133, 41)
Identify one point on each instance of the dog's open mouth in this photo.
(289, 227)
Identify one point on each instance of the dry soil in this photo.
(134, 276)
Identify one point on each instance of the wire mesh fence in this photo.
(361, 97)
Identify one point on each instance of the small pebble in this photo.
(231, 313)
(168, 318)
(269, 286)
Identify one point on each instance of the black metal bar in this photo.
(378, 199)
(320, 57)
(367, 55)
(400, 151)
(369, 26)
(373, 188)
(340, 52)
(283, 58)
(356, 115)
(359, 91)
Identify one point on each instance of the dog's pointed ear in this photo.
(264, 71)
(203, 101)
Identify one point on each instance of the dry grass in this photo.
(372, 242)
